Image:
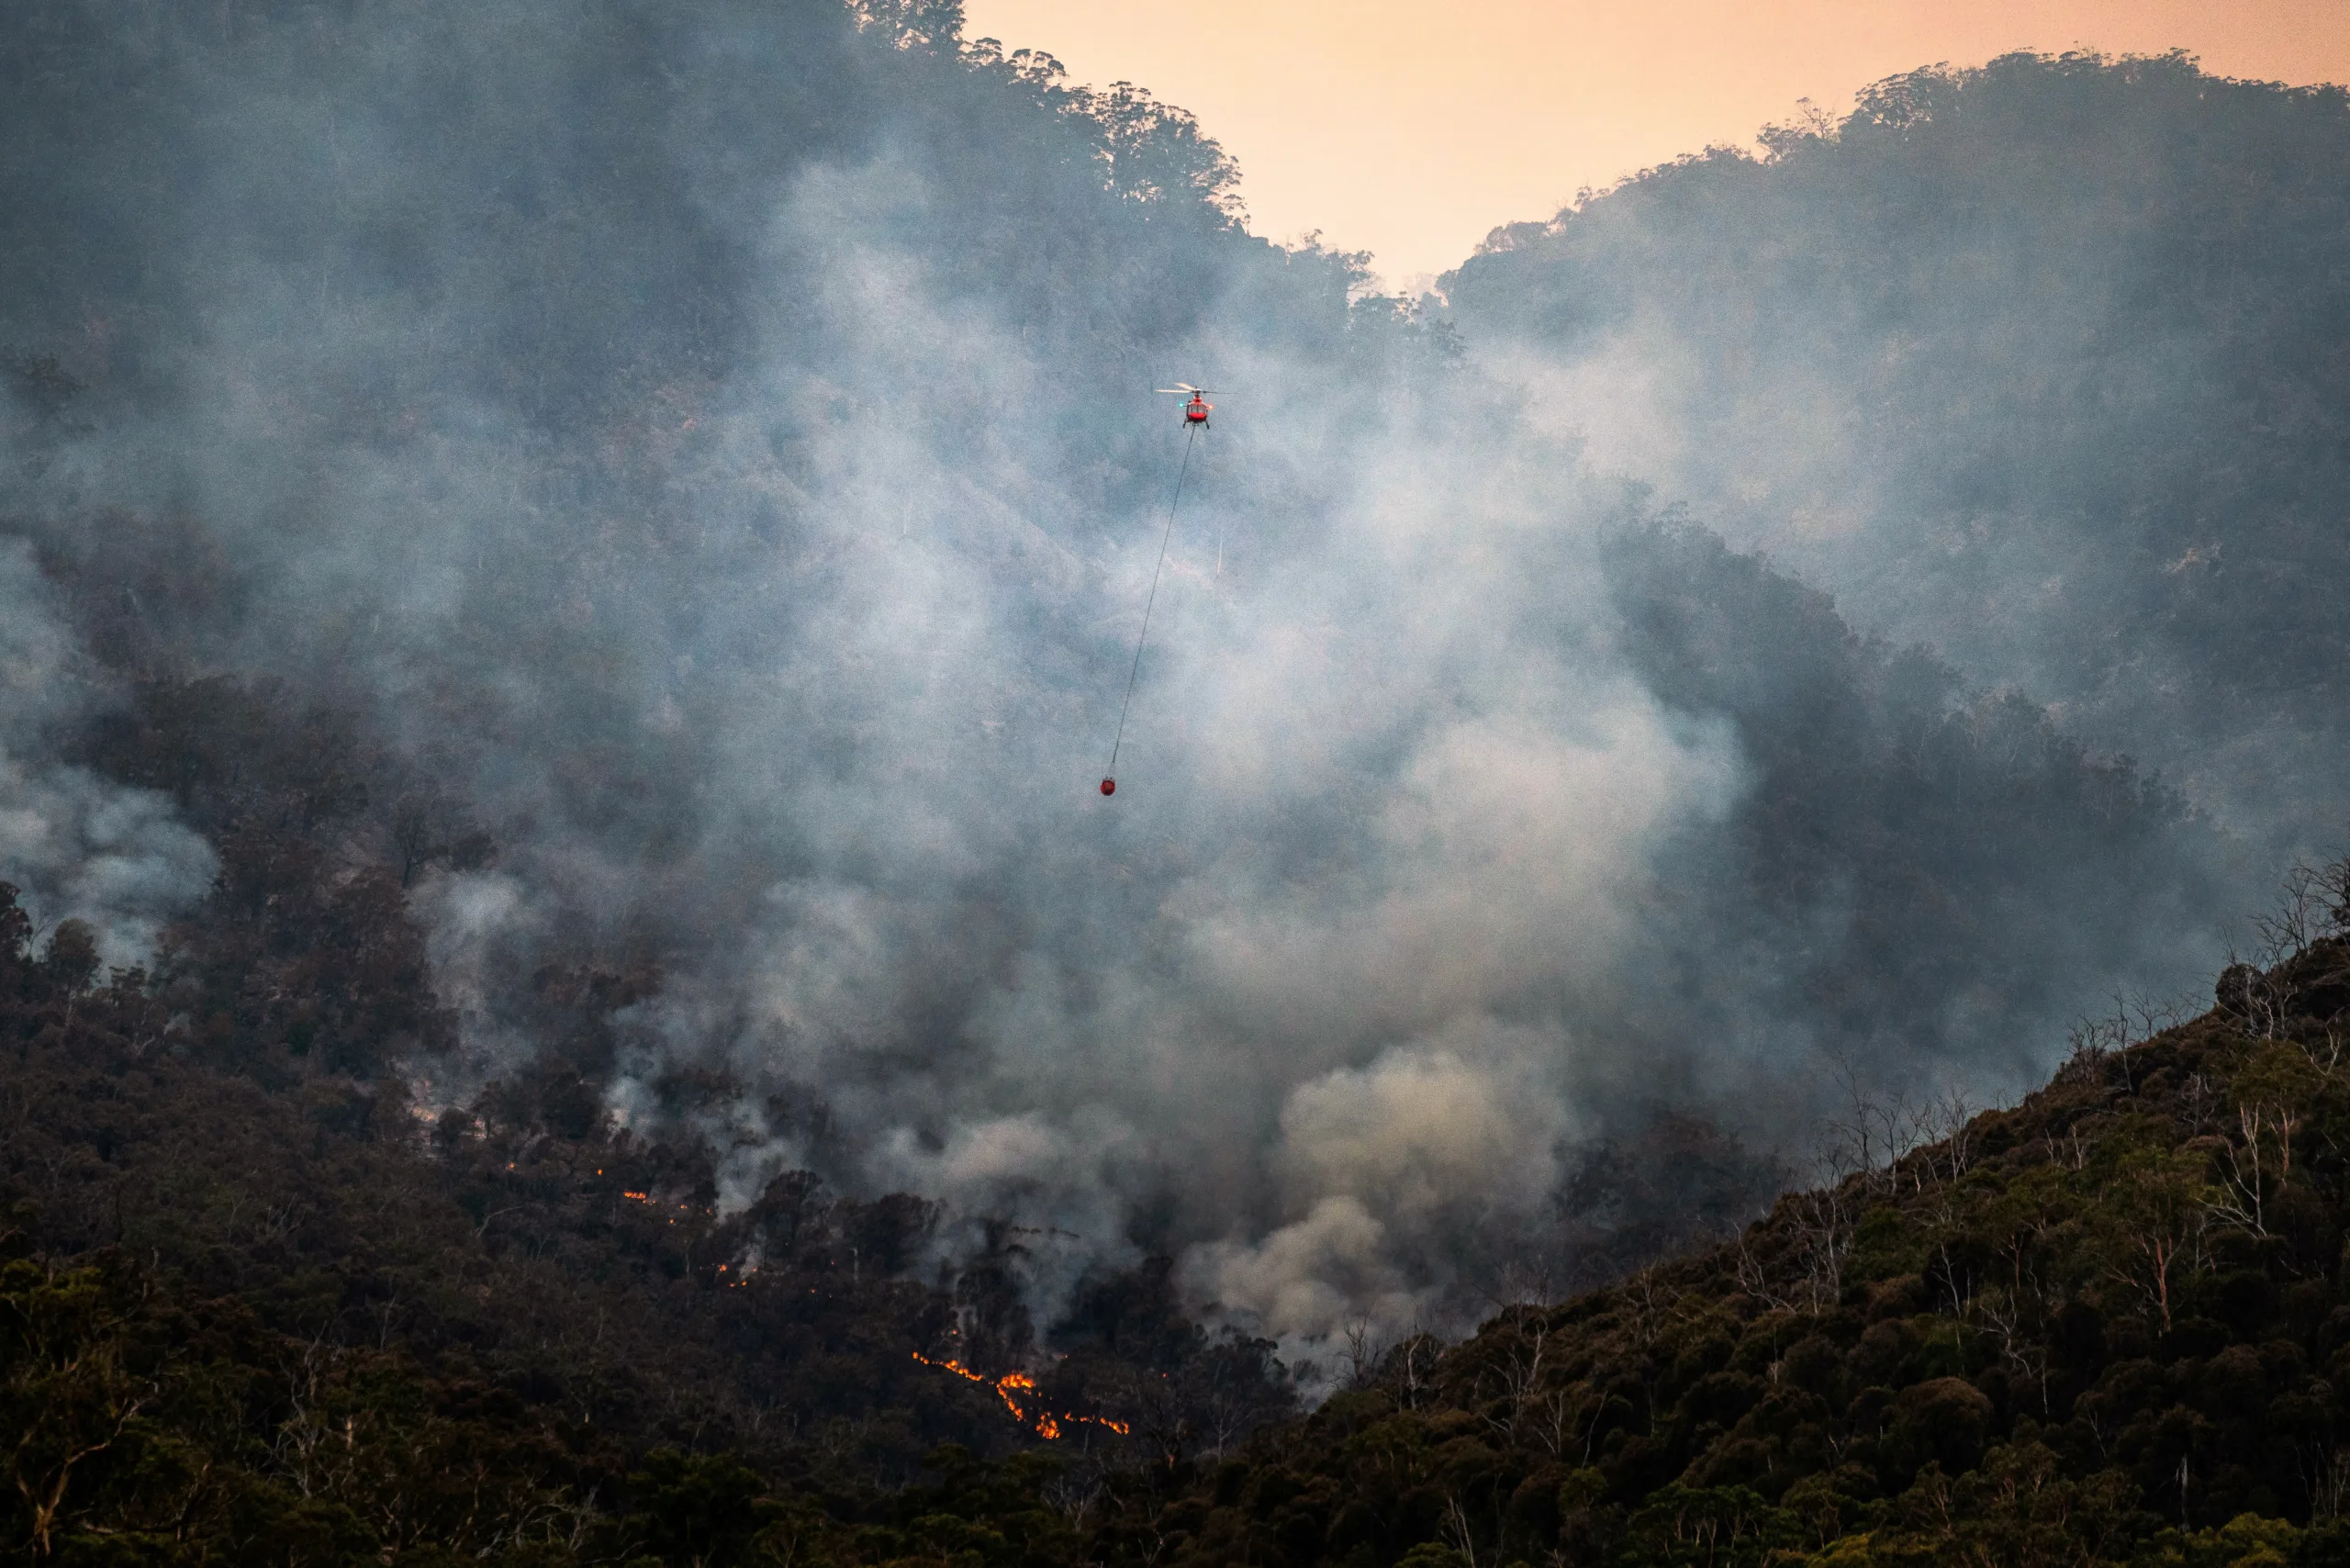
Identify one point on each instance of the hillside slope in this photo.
(2107, 1326)
(254, 1309)
(2044, 364)
(650, 514)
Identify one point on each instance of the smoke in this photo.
(2020, 362)
(1389, 1164)
(75, 845)
(721, 449)
(1373, 814)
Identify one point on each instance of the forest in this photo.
(2040, 363)
(1685, 968)
(257, 1308)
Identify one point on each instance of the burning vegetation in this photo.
(1015, 1386)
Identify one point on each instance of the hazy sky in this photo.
(1410, 130)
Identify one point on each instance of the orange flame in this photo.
(1047, 1424)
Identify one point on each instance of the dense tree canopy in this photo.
(255, 1310)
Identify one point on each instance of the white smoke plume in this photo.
(754, 533)
(77, 847)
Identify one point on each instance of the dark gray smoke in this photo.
(715, 442)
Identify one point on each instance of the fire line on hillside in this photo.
(1047, 1424)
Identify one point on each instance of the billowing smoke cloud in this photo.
(721, 447)
(1381, 1165)
(75, 845)
(1372, 809)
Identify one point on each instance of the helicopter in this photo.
(1196, 420)
(1195, 412)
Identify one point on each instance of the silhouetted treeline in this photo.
(2038, 364)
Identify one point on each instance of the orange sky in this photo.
(1410, 130)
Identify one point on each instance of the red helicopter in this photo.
(1195, 412)
(1196, 420)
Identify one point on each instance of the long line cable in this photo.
(1111, 771)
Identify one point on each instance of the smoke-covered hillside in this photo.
(595, 548)
(2045, 363)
